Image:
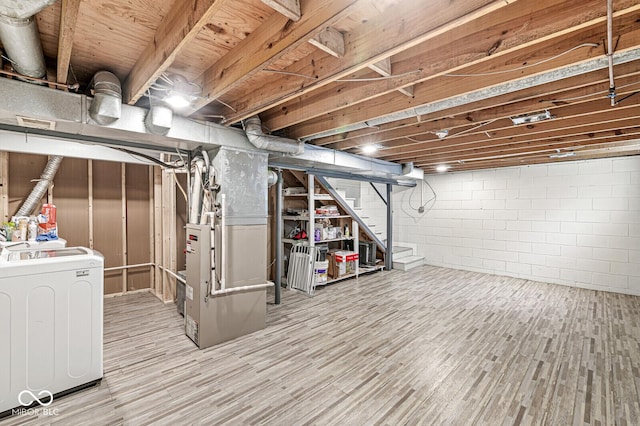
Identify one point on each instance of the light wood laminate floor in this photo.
(429, 346)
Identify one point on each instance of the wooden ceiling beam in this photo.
(547, 145)
(482, 119)
(499, 44)
(526, 100)
(599, 150)
(68, 18)
(625, 130)
(276, 37)
(384, 69)
(581, 151)
(288, 8)
(401, 27)
(566, 117)
(178, 28)
(331, 41)
(448, 88)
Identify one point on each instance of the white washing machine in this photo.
(51, 303)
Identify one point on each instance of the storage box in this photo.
(321, 270)
(332, 270)
(346, 256)
(331, 233)
(346, 262)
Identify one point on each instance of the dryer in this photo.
(51, 315)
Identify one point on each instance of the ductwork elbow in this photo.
(20, 37)
(253, 129)
(40, 189)
(106, 107)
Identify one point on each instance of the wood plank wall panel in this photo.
(22, 169)
(181, 222)
(138, 233)
(107, 208)
(71, 197)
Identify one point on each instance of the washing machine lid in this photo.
(44, 261)
(26, 255)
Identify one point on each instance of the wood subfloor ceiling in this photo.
(437, 346)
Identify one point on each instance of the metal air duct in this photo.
(20, 37)
(38, 191)
(253, 129)
(106, 106)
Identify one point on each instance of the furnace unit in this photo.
(226, 257)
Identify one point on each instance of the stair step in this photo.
(401, 252)
(408, 262)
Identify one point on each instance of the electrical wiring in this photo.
(524, 66)
(459, 133)
(226, 104)
(356, 80)
(150, 158)
(421, 208)
(602, 92)
(346, 80)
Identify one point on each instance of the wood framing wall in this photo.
(111, 207)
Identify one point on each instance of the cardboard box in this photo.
(332, 270)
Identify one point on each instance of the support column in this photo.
(279, 259)
(4, 186)
(388, 263)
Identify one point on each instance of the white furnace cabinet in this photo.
(51, 305)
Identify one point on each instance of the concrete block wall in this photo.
(573, 223)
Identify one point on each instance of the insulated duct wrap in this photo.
(253, 129)
(33, 200)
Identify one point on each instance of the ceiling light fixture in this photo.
(531, 118)
(176, 91)
(177, 100)
(562, 154)
(369, 149)
(442, 168)
(441, 134)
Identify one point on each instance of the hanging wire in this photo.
(524, 66)
(226, 104)
(9, 59)
(346, 80)
(432, 200)
(602, 92)
(355, 80)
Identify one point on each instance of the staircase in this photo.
(405, 259)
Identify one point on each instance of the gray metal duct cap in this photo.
(106, 106)
(23, 9)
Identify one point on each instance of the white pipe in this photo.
(245, 288)
(223, 242)
(612, 84)
(168, 271)
(196, 191)
(139, 265)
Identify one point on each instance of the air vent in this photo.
(36, 123)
